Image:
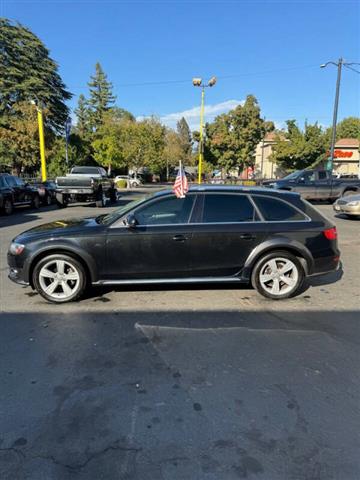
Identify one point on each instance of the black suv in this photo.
(270, 238)
(14, 192)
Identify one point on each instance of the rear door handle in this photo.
(247, 236)
(179, 238)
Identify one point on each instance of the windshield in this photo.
(109, 218)
(293, 176)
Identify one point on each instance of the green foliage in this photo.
(348, 128)
(79, 153)
(232, 138)
(83, 117)
(299, 149)
(19, 138)
(185, 140)
(27, 73)
(101, 97)
(122, 183)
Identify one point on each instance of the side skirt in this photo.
(171, 281)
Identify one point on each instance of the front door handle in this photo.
(247, 236)
(179, 238)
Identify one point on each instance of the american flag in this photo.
(181, 186)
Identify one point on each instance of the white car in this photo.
(133, 181)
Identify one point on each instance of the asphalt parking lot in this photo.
(192, 383)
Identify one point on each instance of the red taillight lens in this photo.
(331, 233)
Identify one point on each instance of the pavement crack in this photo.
(12, 449)
(75, 467)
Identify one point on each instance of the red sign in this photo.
(341, 154)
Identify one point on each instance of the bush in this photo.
(122, 183)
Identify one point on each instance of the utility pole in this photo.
(339, 64)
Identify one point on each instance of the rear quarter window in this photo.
(276, 210)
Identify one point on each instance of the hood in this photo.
(60, 228)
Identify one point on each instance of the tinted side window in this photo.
(227, 208)
(10, 181)
(2, 182)
(19, 181)
(322, 176)
(170, 210)
(276, 210)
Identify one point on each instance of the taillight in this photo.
(331, 233)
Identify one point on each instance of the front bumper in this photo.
(349, 210)
(16, 276)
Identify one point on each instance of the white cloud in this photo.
(192, 116)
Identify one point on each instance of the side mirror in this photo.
(131, 221)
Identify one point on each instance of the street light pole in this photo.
(330, 164)
(197, 82)
(42, 143)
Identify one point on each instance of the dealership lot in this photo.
(180, 383)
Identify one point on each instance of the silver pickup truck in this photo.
(316, 185)
(84, 184)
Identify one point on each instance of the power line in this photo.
(351, 68)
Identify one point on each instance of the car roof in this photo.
(234, 189)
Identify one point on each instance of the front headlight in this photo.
(353, 204)
(16, 248)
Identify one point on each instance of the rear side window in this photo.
(274, 210)
(10, 181)
(220, 208)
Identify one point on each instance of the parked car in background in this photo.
(47, 191)
(14, 192)
(133, 180)
(271, 239)
(349, 205)
(85, 184)
(316, 185)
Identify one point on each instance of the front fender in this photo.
(64, 247)
(278, 243)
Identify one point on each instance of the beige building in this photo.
(346, 161)
(264, 168)
(347, 156)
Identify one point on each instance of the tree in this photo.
(348, 128)
(79, 153)
(82, 114)
(101, 96)
(232, 138)
(184, 134)
(173, 151)
(299, 149)
(19, 140)
(27, 73)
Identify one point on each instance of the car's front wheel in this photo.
(59, 278)
(8, 206)
(278, 275)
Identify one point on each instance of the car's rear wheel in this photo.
(48, 200)
(278, 275)
(59, 278)
(8, 206)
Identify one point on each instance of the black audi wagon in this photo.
(271, 239)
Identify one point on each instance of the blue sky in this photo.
(271, 49)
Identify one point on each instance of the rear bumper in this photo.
(324, 265)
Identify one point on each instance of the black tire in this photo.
(112, 195)
(48, 200)
(69, 261)
(36, 202)
(62, 200)
(8, 206)
(297, 275)
(100, 201)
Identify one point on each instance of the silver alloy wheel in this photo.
(59, 279)
(279, 276)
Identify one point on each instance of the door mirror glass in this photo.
(131, 221)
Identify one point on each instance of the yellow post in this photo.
(42, 144)
(201, 146)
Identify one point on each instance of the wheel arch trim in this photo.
(280, 243)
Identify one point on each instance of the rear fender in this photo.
(279, 243)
